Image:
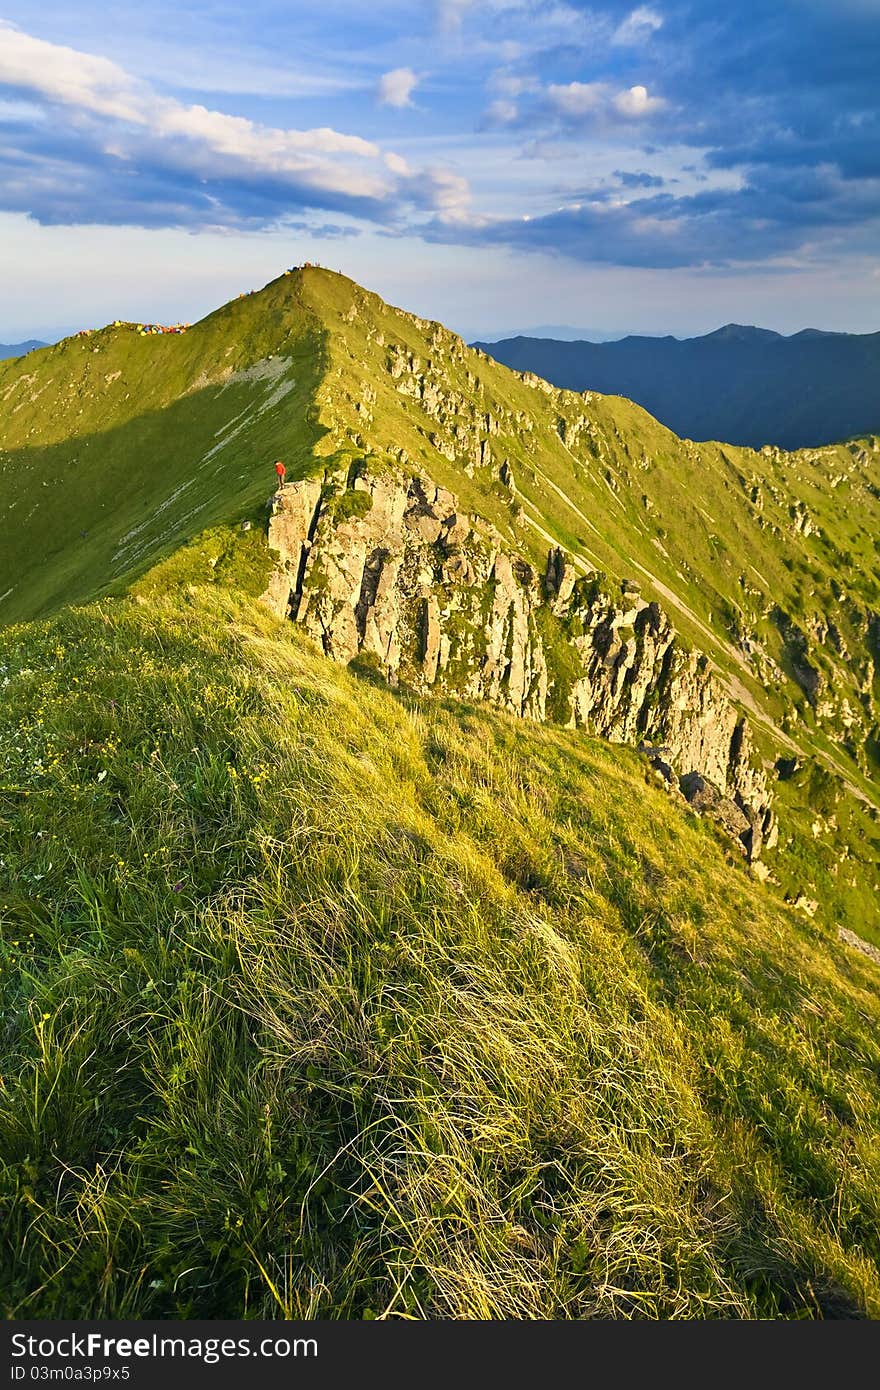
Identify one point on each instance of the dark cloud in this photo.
(781, 96)
(326, 231)
(759, 222)
(792, 83)
(774, 102)
(638, 179)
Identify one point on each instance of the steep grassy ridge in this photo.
(731, 541)
(766, 561)
(116, 449)
(322, 1001)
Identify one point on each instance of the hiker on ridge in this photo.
(280, 470)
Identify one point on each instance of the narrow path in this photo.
(586, 565)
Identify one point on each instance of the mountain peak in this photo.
(8, 350)
(743, 384)
(598, 747)
(741, 333)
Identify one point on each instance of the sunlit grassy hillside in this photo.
(321, 1001)
(117, 449)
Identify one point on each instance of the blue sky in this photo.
(498, 164)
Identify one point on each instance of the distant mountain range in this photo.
(18, 349)
(564, 331)
(745, 385)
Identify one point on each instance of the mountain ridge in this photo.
(346, 971)
(746, 385)
(323, 373)
(8, 350)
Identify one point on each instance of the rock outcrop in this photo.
(384, 565)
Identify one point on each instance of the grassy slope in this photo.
(635, 500)
(632, 498)
(115, 449)
(325, 1002)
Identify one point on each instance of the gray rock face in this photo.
(844, 934)
(709, 801)
(414, 583)
(295, 512)
(390, 567)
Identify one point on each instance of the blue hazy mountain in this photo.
(18, 349)
(742, 384)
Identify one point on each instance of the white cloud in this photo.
(500, 113)
(450, 194)
(189, 137)
(638, 26)
(636, 103)
(443, 192)
(397, 164)
(578, 100)
(243, 139)
(396, 87)
(511, 84)
(120, 117)
(63, 74)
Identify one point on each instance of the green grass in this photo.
(705, 529)
(325, 1002)
(117, 450)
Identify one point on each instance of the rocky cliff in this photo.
(381, 563)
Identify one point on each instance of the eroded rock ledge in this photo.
(385, 565)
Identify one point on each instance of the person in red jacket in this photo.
(280, 470)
